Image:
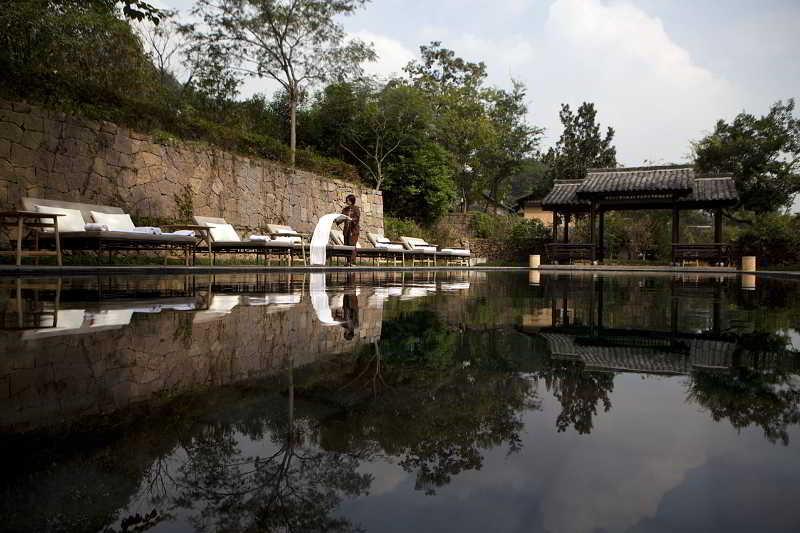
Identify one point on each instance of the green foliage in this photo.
(83, 59)
(71, 50)
(773, 238)
(296, 43)
(581, 145)
(482, 128)
(763, 153)
(518, 236)
(393, 228)
(532, 178)
(419, 183)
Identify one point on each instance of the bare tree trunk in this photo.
(292, 126)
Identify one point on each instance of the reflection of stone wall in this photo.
(59, 379)
(46, 154)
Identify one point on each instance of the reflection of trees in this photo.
(580, 393)
(748, 397)
(292, 487)
(437, 408)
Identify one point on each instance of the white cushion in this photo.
(114, 221)
(389, 246)
(223, 232)
(281, 238)
(415, 243)
(281, 228)
(456, 251)
(71, 221)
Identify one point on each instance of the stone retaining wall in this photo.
(48, 154)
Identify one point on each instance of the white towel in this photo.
(180, 233)
(262, 238)
(147, 229)
(94, 226)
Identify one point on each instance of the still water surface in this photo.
(447, 401)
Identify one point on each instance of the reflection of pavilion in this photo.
(576, 328)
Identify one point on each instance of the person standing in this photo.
(351, 226)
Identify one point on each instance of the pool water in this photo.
(391, 401)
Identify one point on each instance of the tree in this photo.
(455, 88)
(581, 145)
(419, 182)
(390, 117)
(762, 153)
(513, 140)
(294, 42)
(161, 43)
(483, 128)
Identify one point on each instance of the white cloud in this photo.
(392, 54)
(644, 83)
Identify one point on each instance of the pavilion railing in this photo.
(558, 252)
(711, 252)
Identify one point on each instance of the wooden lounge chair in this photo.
(335, 249)
(387, 249)
(432, 252)
(91, 238)
(225, 240)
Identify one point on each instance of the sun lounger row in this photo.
(93, 227)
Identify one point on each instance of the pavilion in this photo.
(673, 187)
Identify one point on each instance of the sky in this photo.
(660, 72)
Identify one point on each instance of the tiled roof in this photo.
(642, 182)
(713, 189)
(637, 180)
(564, 193)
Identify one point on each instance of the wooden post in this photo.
(592, 236)
(717, 226)
(676, 229)
(601, 231)
(567, 216)
(555, 226)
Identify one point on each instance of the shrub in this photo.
(773, 238)
(393, 228)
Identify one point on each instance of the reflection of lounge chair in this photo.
(274, 301)
(82, 225)
(79, 321)
(417, 291)
(381, 294)
(225, 240)
(458, 286)
(219, 306)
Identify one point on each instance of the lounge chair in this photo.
(225, 240)
(432, 251)
(337, 247)
(387, 249)
(98, 228)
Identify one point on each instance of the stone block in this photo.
(10, 131)
(22, 156)
(33, 122)
(22, 107)
(5, 149)
(32, 139)
(11, 116)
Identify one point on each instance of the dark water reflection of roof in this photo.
(459, 401)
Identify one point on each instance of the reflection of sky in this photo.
(652, 463)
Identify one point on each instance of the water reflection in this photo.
(290, 402)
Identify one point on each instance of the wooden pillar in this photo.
(601, 231)
(555, 226)
(717, 225)
(592, 235)
(676, 229)
(566, 227)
